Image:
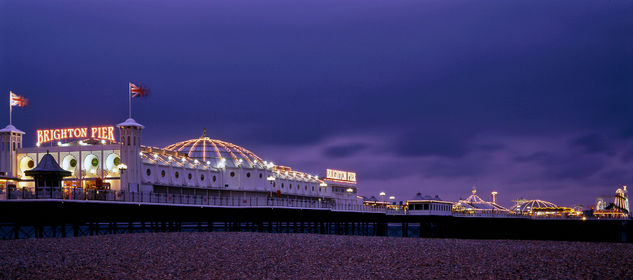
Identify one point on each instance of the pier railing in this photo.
(237, 200)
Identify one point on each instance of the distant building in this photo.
(428, 205)
(618, 209)
(541, 208)
(476, 205)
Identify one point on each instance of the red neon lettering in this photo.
(111, 133)
(103, 132)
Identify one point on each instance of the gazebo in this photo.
(48, 176)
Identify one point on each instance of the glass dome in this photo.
(528, 205)
(218, 153)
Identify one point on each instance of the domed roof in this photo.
(528, 205)
(218, 153)
(474, 202)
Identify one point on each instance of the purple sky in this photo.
(530, 98)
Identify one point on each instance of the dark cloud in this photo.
(455, 169)
(434, 142)
(539, 157)
(563, 165)
(593, 143)
(346, 150)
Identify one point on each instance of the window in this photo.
(148, 172)
(202, 177)
(282, 185)
(312, 188)
(306, 188)
(232, 174)
(176, 175)
(189, 176)
(290, 186)
(162, 173)
(248, 174)
(128, 140)
(214, 178)
(260, 175)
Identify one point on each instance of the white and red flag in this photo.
(16, 100)
(138, 91)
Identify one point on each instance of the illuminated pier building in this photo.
(97, 159)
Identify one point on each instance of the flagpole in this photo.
(129, 94)
(10, 110)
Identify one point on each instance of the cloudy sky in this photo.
(532, 99)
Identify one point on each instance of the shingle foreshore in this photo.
(307, 256)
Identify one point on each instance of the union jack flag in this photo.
(138, 91)
(17, 100)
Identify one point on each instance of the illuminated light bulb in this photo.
(155, 156)
(59, 143)
(208, 162)
(37, 144)
(170, 158)
(196, 161)
(103, 141)
(183, 159)
(140, 153)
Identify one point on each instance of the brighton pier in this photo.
(104, 184)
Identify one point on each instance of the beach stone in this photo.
(250, 255)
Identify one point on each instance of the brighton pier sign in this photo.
(58, 134)
(342, 176)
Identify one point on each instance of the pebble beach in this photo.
(246, 255)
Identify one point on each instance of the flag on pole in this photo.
(16, 100)
(138, 91)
